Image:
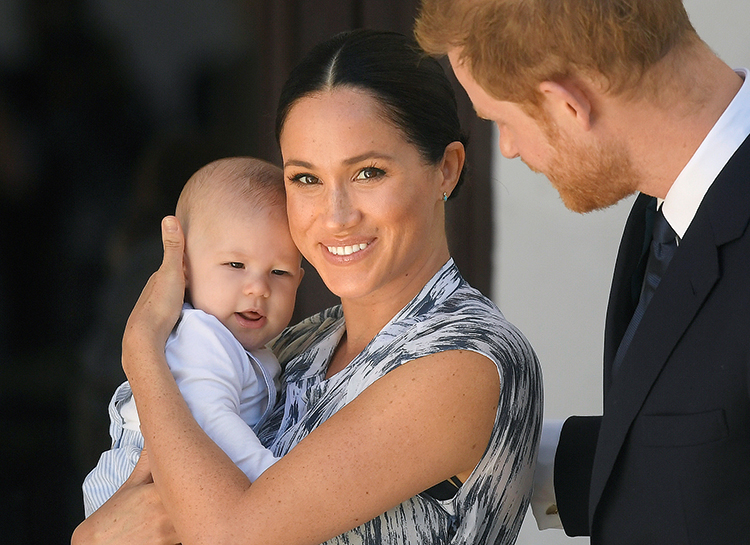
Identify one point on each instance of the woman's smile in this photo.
(363, 204)
(347, 250)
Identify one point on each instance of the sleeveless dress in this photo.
(447, 314)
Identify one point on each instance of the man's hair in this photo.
(511, 46)
(234, 184)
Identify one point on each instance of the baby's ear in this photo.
(301, 275)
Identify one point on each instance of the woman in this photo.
(411, 412)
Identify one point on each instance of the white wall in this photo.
(553, 267)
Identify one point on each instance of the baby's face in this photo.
(244, 269)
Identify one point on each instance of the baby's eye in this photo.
(305, 179)
(370, 173)
(279, 272)
(236, 265)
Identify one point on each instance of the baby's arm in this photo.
(115, 465)
(212, 371)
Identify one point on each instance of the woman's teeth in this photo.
(346, 250)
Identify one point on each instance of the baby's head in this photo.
(240, 262)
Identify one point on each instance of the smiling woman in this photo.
(410, 413)
(364, 186)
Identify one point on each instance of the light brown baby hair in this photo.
(228, 186)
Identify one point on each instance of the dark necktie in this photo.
(663, 246)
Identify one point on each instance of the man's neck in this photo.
(663, 134)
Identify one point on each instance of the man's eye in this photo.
(236, 265)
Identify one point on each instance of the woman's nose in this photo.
(341, 209)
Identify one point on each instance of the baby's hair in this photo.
(230, 185)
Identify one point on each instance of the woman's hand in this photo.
(158, 308)
(133, 515)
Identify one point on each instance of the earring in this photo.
(445, 196)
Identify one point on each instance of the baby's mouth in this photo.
(251, 319)
(250, 315)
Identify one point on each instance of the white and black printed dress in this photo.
(447, 314)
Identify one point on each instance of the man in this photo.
(608, 98)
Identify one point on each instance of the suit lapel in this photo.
(690, 277)
(723, 216)
(627, 278)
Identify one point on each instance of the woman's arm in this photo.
(418, 425)
(415, 427)
(135, 514)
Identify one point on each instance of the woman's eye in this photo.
(305, 179)
(370, 173)
(236, 265)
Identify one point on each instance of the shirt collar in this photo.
(687, 191)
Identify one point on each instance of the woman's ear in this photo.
(567, 102)
(451, 167)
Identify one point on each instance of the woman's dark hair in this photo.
(412, 87)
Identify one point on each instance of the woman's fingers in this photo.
(134, 515)
(170, 278)
(169, 291)
(159, 305)
(174, 246)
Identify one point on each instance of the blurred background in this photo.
(106, 108)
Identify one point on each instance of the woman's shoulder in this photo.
(469, 319)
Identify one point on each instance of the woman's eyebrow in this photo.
(297, 163)
(367, 155)
(350, 161)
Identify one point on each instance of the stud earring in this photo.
(445, 196)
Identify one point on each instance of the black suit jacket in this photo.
(669, 461)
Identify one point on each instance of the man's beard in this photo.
(590, 178)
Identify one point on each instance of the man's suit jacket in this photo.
(669, 461)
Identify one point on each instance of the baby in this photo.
(242, 271)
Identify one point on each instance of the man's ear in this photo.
(567, 102)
